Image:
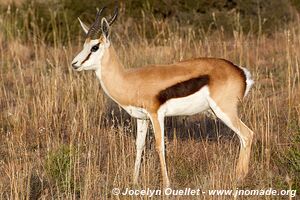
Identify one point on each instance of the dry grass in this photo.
(52, 115)
(11, 2)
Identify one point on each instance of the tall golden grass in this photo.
(62, 138)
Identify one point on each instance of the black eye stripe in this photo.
(95, 47)
(86, 58)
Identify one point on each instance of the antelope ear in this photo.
(83, 26)
(105, 27)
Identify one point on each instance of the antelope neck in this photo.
(111, 74)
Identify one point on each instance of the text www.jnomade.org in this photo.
(197, 192)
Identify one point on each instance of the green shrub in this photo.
(296, 4)
(288, 161)
(254, 14)
(293, 157)
(59, 167)
(58, 19)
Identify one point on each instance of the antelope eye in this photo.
(95, 48)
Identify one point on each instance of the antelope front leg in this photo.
(142, 126)
(158, 126)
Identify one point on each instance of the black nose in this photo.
(74, 65)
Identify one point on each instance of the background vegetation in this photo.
(61, 138)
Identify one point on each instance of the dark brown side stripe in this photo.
(183, 89)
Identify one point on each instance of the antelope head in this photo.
(96, 42)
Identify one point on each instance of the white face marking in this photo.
(88, 59)
(188, 105)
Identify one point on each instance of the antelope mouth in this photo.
(78, 69)
(75, 67)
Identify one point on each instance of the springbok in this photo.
(157, 91)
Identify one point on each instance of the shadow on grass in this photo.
(196, 127)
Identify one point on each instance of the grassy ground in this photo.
(62, 138)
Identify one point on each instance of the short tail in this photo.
(249, 81)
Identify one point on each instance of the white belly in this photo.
(188, 105)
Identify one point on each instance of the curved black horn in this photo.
(114, 17)
(95, 28)
(100, 11)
